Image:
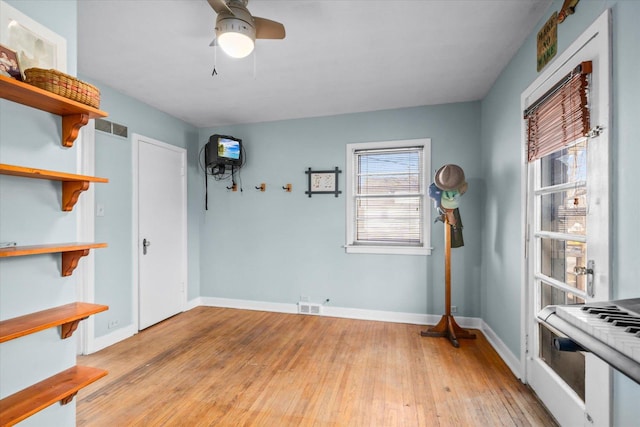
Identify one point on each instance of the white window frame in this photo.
(350, 247)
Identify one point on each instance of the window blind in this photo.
(560, 116)
(389, 196)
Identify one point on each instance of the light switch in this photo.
(99, 210)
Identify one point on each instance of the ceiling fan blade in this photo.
(268, 29)
(220, 6)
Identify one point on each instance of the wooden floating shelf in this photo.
(74, 114)
(72, 185)
(61, 387)
(70, 252)
(67, 316)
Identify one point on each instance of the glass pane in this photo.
(551, 295)
(564, 166)
(568, 365)
(565, 212)
(558, 259)
(389, 219)
(386, 173)
(389, 196)
(408, 183)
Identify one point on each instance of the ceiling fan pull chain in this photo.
(255, 61)
(215, 61)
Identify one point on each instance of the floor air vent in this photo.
(309, 308)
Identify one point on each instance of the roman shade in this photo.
(560, 116)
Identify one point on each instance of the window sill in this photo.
(387, 250)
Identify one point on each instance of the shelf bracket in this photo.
(70, 260)
(67, 329)
(71, 125)
(70, 192)
(68, 399)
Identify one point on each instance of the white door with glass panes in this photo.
(567, 224)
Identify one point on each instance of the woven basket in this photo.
(64, 85)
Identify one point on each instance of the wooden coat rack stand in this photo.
(447, 326)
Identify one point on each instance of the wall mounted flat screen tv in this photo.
(223, 150)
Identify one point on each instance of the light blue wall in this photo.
(277, 246)
(114, 266)
(501, 119)
(30, 213)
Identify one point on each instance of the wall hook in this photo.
(287, 188)
(262, 187)
(234, 187)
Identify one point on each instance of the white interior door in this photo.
(161, 231)
(568, 226)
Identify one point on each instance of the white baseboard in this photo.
(196, 302)
(331, 311)
(248, 305)
(395, 317)
(114, 337)
(503, 351)
(344, 312)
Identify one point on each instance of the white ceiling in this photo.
(339, 56)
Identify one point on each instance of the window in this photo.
(387, 197)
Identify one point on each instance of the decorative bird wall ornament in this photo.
(568, 8)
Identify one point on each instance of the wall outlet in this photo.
(454, 309)
(112, 324)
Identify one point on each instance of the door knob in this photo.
(582, 270)
(588, 271)
(145, 244)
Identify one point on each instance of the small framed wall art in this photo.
(323, 181)
(34, 44)
(9, 63)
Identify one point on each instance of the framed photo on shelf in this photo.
(323, 182)
(35, 45)
(9, 66)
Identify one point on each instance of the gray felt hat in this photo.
(451, 177)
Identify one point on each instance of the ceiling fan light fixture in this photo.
(236, 45)
(237, 30)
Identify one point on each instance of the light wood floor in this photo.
(227, 367)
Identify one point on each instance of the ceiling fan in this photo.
(237, 29)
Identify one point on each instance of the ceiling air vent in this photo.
(113, 128)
